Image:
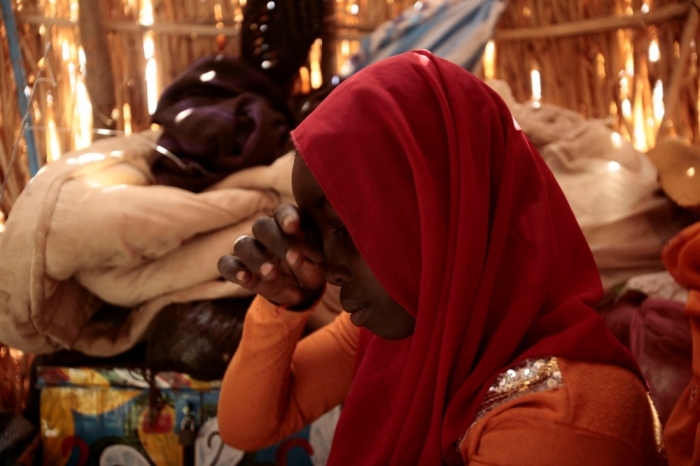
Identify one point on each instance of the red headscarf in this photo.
(464, 225)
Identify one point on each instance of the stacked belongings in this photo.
(112, 251)
(111, 224)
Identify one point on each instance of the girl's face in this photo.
(361, 294)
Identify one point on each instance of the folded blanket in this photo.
(94, 227)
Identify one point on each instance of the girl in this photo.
(463, 266)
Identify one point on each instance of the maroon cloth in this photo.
(219, 116)
(465, 226)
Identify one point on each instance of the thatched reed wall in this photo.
(606, 61)
(592, 56)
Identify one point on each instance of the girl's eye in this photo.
(341, 231)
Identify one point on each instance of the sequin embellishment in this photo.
(530, 376)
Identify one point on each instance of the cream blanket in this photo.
(91, 227)
(612, 188)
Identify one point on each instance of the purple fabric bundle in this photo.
(219, 116)
(657, 332)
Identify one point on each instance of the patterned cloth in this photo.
(456, 30)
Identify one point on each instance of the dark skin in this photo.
(291, 255)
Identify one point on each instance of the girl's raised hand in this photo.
(282, 261)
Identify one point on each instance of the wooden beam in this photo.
(671, 94)
(99, 79)
(593, 26)
(129, 26)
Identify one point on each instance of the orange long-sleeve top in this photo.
(601, 414)
(682, 433)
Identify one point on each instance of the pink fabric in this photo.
(463, 224)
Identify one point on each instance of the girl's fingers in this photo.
(234, 270)
(288, 218)
(256, 257)
(283, 261)
(296, 252)
(285, 291)
(269, 234)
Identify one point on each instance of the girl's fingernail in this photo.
(288, 221)
(292, 256)
(241, 275)
(265, 269)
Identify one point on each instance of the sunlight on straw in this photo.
(645, 8)
(126, 111)
(626, 108)
(624, 88)
(148, 46)
(151, 71)
(690, 172)
(654, 53)
(345, 48)
(536, 85)
(129, 6)
(629, 65)
(54, 149)
(51, 10)
(600, 65)
(305, 80)
(315, 64)
(490, 60)
(218, 16)
(146, 13)
(74, 10)
(2, 222)
(657, 102)
(82, 136)
(152, 85)
(353, 9)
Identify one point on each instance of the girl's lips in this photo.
(359, 316)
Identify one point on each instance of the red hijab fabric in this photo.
(465, 226)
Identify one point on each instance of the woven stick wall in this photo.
(604, 58)
(611, 58)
